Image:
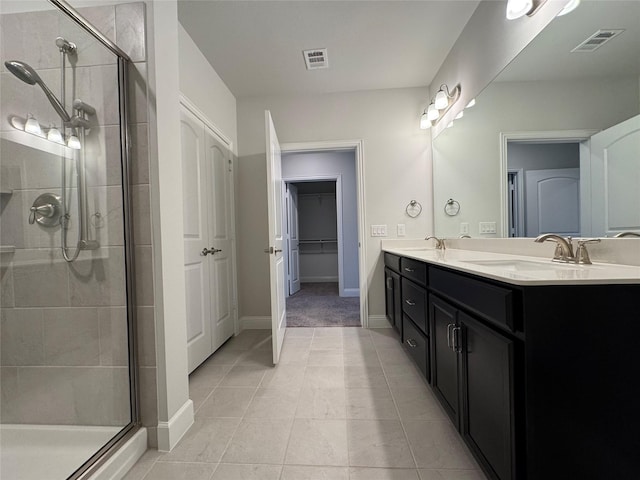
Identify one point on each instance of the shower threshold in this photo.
(34, 452)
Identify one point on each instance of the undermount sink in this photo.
(522, 265)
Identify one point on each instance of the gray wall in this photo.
(329, 164)
(541, 156)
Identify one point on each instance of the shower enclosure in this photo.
(67, 357)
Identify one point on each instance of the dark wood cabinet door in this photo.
(487, 419)
(393, 299)
(444, 360)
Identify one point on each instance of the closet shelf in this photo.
(318, 241)
(7, 248)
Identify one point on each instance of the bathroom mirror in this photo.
(532, 130)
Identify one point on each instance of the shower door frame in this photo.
(101, 456)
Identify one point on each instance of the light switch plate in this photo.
(378, 230)
(487, 227)
(464, 228)
(401, 230)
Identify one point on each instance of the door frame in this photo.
(190, 106)
(558, 136)
(358, 147)
(329, 178)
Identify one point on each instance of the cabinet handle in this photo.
(389, 283)
(407, 269)
(456, 340)
(411, 342)
(449, 344)
(411, 303)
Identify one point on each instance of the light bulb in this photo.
(32, 126)
(569, 7)
(54, 135)
(442, 101)
(73, 142)
(459, 115)
(432, 112)
(425, 123)
(471, 103)
(518, 8)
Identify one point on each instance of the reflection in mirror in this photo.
(553, 144)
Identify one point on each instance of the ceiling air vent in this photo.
(596, 40)
(316, 58)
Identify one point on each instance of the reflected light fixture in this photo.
(73, 142)
(569, 7)
(439, 106)
(518, 8)
(32, 126)
(471, 103)
(450, 124)
(54, 135)
(459, 115)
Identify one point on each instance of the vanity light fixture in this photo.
(569, 7)
(440, 105)
(450, 124)
(459, 115)
(425, 123)
(520, 8)
(471, 103)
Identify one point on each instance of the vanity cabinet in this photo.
(540, 380)
(393, 299)
(472, 376)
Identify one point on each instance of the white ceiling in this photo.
(549, 56)
(256, 46)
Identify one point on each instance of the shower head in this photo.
(28, 75)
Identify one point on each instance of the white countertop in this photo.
(521, 269)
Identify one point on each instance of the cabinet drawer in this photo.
(414, 269)
(414, 303)
(416, 345)
(492, 302)
(392, 261)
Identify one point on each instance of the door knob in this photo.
(212, 251)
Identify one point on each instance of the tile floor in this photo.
(343, 404)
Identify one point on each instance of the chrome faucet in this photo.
(439, 242)
(564, 247)
(626, 234)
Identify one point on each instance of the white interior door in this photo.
(615, 177)
(196, 265)
(275, 195)
(220, 239)
(552, 201)
(294, 239)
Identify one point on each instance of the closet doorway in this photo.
(322, 262)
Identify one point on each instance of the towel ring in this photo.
(452, 207)
(413, 209)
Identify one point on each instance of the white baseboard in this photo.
(351, 292)
(117, 466)
(170, 433)
(378, 321)
(318, 279)
(255, 323)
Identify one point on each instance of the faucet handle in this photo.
(582, 256)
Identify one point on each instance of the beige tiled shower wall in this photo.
(63, 352)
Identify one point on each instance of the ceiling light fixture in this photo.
(569, 7)
(520, 8)
(439, 106)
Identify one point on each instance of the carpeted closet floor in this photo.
(318, 305)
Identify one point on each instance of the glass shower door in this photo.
(67, 372)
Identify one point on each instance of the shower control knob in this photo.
(46, 210)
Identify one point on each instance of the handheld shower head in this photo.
(28, 75)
